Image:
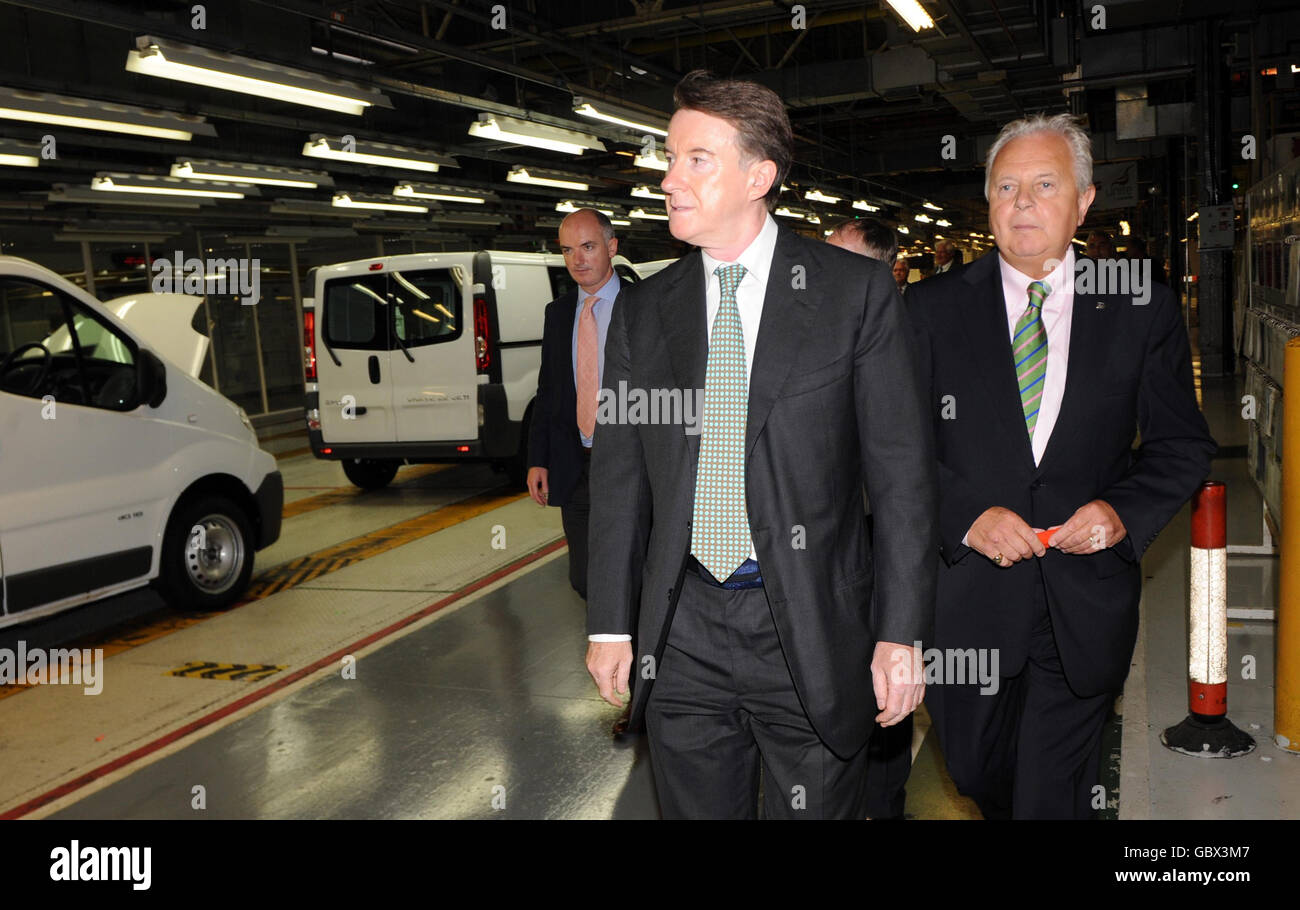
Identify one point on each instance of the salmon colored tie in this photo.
(588, 368)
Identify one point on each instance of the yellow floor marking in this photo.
(334, 497)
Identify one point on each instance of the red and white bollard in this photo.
(1207, 732)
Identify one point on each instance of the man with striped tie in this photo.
(1038, 383)
(771, 633)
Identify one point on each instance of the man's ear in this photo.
(761, 176)
(613, 247)
(1085, 201)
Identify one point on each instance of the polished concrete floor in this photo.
(438, 673)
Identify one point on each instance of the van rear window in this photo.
(426, 305)
(355, 313)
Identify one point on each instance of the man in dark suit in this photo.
(1038, 379)
(947, 258)
(573, 344)
(901, 268)
(736, 544)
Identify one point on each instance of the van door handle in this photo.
(374, 369)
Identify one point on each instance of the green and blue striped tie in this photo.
(1029, 350)
(720, 537)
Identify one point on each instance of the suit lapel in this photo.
(683, 311)
(569, 393)
(787, 315)
(1086, 364)
(985, 322)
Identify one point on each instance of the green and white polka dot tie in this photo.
(720, 537)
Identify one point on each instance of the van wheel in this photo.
(517, 467)
(207, 555)
(370, 473)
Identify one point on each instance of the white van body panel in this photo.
(164, 322)
(92, 481)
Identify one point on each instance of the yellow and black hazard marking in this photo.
(206, 669)
(305, 568)
(334, 497)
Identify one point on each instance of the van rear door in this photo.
(434, 374)
(353, 358)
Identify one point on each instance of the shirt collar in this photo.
(756, 258)
(608, 291)
(1060, 280)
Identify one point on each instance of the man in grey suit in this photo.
(735, 546)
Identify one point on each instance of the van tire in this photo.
(370, 473)
(215, 577)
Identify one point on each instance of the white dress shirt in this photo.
(1058, 310)
(757, 260)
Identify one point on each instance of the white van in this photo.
(118, 467)
(428, 357)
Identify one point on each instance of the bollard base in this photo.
(1204, 737)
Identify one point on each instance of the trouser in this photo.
(889, 762)
(1030, 750)
(575, 515)
(722, 703)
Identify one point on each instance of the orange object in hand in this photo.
(1044, 536)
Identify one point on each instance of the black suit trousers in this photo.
(1032, 749)
(723, 704)
(575, 515)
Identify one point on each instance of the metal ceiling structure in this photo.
(881, 112)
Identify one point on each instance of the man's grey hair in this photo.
(606, 226)
(879, 239)
(1063, 125)
(946, 245)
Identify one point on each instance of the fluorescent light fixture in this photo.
(443, 193)
(646, 216)
(654, 161)
(19, 154)
(345, 200)
(621, 222)
(88, 114)
(1082, 244)
(923, 218)
(359, 151)
(931, 206)
(645, 192)
(1125, 229)
(943, 222)
(1194, 216)
(446, 216)
(622, 116)
(266, 175)
(538, 135)
(313, 208)
(232, 73)
(568, 205)
(541, 177)
(149, 184)
(816, 195)
(912, 13)
(84, 195)
(865, 206)
(902, 229)
(786, 212)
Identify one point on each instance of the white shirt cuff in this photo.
(609, 637)
(963, 539)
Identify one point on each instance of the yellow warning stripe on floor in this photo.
(206, 669)
(305, 568)
(334, 497)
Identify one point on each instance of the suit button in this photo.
(670, 593)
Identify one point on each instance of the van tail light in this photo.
(309, 343)
(482, 337)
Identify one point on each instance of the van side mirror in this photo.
(151, 379)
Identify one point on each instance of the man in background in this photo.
(947, 258)
(866, 237)
(1100, 246)
(900, 274)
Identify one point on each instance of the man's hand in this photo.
(897, 680)
(609, 663)
(539, 485)
(1092, 528)
(1001, 532)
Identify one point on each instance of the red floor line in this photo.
(198, 724)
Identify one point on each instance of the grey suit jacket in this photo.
(835, 402)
